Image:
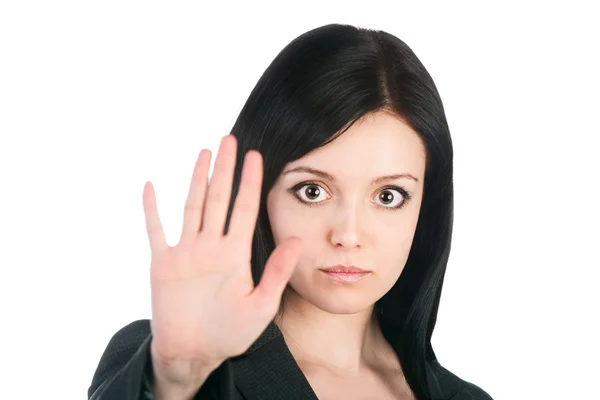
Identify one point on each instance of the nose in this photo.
(346, 228)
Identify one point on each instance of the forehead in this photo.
(378, 144)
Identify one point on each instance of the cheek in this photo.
(285, 224)
(393, 248)
(287, 219)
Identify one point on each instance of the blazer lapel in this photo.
(268, 370)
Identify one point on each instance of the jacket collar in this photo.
(268, 371)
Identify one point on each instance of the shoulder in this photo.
(459, 389)
(123, 360)
(134, 331)
(470, 391)
(126, 341)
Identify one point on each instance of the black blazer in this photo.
(266, 371)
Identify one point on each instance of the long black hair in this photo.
(313, 91)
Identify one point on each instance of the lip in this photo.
(343, 274)
(342, 269)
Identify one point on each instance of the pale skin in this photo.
(202, 288)
(329, 326)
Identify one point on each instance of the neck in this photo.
(342, 342)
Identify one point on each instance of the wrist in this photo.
(183, 373)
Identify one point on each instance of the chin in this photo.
(332, 298)
(341, 310)
(339, 305)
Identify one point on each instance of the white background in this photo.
(96, 98)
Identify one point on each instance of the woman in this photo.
(321, 279)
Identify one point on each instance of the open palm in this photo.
(205, 307)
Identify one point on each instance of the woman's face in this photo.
(346, 218)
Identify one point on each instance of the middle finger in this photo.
(220, 187)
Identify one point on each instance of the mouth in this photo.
(343, 274)
(342, 269)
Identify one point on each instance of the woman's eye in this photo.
(391, 198)
(312, 194)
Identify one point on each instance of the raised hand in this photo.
(205, 307)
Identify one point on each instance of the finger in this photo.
(277, 273)
(156, 235)
(247, 202)
(219, 188)
(194, 204)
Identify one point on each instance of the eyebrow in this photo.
(329, 177)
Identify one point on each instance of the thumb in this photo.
(277, 273)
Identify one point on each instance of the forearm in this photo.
(167, 391)
(179, 380)
(164, 389)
